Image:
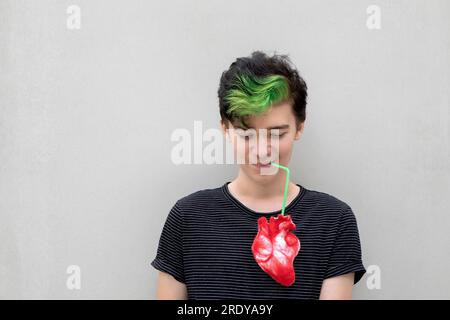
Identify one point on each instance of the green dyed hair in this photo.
(252, 84)
(254, 95)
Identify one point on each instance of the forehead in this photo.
(277, 116)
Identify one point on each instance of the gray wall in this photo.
(86, 116)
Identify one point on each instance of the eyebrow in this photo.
(284, 126)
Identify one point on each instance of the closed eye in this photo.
(245, 135)
(278, 134)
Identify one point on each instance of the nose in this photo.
(262, 151)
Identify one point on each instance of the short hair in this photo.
(252, 84)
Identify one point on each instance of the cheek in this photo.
(285, 148)
(240, 149)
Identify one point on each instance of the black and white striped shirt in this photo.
(207, 237)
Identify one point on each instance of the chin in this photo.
(255, 173)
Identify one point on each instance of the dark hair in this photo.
(252, 79)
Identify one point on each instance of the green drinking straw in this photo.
(285, 186)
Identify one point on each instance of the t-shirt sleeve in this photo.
(346, 253)
(169, 256)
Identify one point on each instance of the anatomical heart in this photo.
(275, 248)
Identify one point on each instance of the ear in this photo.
(299, 132)
(224, 127)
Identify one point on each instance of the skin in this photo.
(169, 288)
(263, 193)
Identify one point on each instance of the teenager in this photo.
(205, 248)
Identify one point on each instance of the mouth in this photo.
(260, 165)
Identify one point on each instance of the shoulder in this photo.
(325, 205)
(324, 199)
(330, 211)
(199, 198)
(198, 204)
(191, 204)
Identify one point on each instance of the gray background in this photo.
(86, 117)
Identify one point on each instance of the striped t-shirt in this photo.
(207, 238)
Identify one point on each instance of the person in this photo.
(204, 251)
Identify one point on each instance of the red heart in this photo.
(275, 248)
